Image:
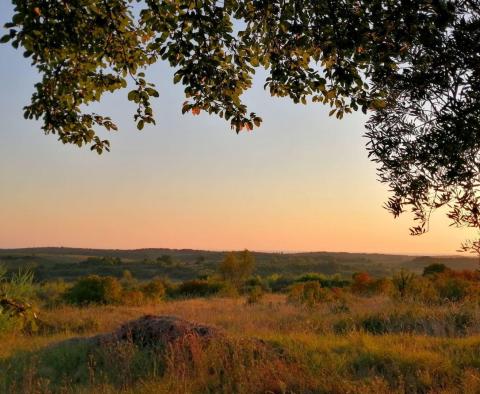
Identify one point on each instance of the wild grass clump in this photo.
(16, 310)
(448, 321)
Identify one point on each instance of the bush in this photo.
(255, 295)
(237, 267)
(16, 313)
(154, 290)
(436, 268)
(309, 293)
(95, 289)
(133, 297)
(362, 283)
(403, 284)
(451, 288)
(52, 294)
(199, 288)
(277, 283)
(324, 280)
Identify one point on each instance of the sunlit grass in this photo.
(304, 353)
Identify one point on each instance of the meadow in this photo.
(403, 333)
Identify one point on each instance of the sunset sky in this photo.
(302, 182)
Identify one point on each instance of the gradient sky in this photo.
(301, 182)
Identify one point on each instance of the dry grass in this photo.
(314, 356)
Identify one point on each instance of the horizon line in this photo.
(277, 251)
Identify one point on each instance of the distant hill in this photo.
(180, 264)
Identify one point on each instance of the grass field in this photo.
(285, 325)
(374, 345)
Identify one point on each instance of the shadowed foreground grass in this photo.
(373, 346)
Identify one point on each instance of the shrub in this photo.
(255, 295)
(133, 297)
(278, 283)
(309, 293)
(237, 267)
(324, 280)
(154, 290)
(451, 288)
(15, 294)
(52, 294)
(403, 284)
(199, 288)
(256, 281)
(95, 289)
(362, 283)
(436, 268)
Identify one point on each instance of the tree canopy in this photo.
(415, 64)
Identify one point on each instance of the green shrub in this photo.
(16, 293)
(199, 288)
(95, 289)
(237, 267)
(436, 268)
(451, 288)
(154, 290)
(279, 283)
(52, 294)
(324, 280)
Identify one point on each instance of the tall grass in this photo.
(271, 346)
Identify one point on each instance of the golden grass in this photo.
(316, 358)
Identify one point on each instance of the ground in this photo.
(360, 348)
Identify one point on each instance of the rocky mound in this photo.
(153, 330)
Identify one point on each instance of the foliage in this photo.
(94, 289)
(324, 280)
(237, 267)
(199, 288)
(451, 288)
(255, 294)
(426, 138)
(436, 268)
(106, 260)
(16, 293)
(52, 293)
(414, 64)
(154, 290)
(403, 283)
(309, 293)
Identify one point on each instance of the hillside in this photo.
(180, 264)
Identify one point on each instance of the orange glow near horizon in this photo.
(301, 182)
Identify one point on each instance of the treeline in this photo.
(180, 265)
(20, 296)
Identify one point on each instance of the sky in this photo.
(301, 182)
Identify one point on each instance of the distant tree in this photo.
(165, 259)
(237, 267)
(200, 259)
(413, 64)
(436, 268)
(128, 281)
(362, 282)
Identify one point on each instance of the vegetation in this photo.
(408, 332)
(69, 264)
